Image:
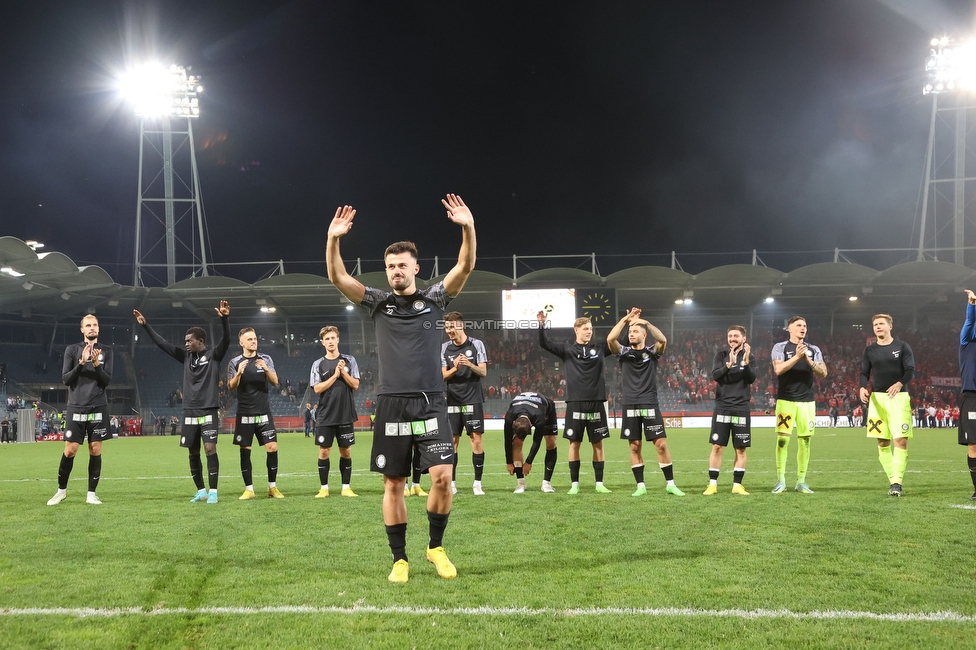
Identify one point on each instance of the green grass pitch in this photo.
(847, 567)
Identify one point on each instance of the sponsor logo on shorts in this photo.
(203, 419)
(86, 417)
(460, 409)
(254, 419)
(641, 413)
(381, 461)
(446, 456)
(734, 420)
(419, 428)
(588, 417)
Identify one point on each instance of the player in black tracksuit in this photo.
(527, 411)
(86, 371)
(201, 374)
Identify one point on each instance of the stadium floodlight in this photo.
(950, 66)
(157, 91)
(769, 299)
(853, 298)
(268, 310)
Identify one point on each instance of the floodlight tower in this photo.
(950, 70)
(167, 102)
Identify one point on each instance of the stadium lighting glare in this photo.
(34, 245)
(853, 298)
(349, 307)
(769, 299)
(11, 272)
(950, 65)
(268, 310)
(679, 301)
(158, 91)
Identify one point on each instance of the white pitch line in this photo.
(750, 614)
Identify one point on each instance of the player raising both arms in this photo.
(411, 410)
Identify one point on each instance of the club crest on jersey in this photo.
(645, 356)
(419, 304)
(468, 353)
(593, 352)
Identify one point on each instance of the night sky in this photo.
(568, 127)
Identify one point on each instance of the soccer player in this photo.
(586, 392)
(86, 370)
(201, 372)
(892, 363)
(463, 363)
(249, 374)
(411, 410)
(967, 395)
(642, 413)
(795, 363)
(527, 411)
(334, 378)
(733, 372)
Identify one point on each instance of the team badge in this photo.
(569, 432)
(237, 439)
(67, 435)
(468, 353)
(321, 439)
(182, 440)
(419, 304)
(904, 426)
(381, 460)
(646, 356)
(626, 432)
(714, 436)
(593, 352)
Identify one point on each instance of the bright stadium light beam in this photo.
(157, 91)
(950, 66)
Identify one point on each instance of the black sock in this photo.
(551, 464)
(196, 470)
(454, 471)
(738, 474)
(213, 470)
(397, 535)
(324, 465)
(598, 470)
(574, 466)
(638, 471)
(668, 472)
(94, 472)
(518, 472)
(64, 471)
(479, 465)
(972, 470)
(246, 470)
(438, 523)
(713, 474)
(345, 469)
(272, 463)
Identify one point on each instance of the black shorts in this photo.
(967, 418)
(470, 417)
(247, 426)
(326, 434)
(201, 425)
(591, 416)
(92, 424)
(408, 425)
(646, 418)
(736, 425)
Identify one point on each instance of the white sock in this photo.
(713, 481)
(670, 483)
(249, 487)
(271, 484)
(345, 486)
(325, 487)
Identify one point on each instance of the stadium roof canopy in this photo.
(40, 287)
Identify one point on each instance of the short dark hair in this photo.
(521, 426)
(198, 333)
(401, 247)
(794, 319)
(454, 316)
(737, 328)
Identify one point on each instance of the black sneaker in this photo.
(895, 490)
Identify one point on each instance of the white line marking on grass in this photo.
(966, 507)
(753, 614)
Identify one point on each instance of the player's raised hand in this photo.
(342, 221)
(541, 317)
(457, 211)
(971, 296)
(223, 310)
(241, 366)
(633, 315)
(139, 317)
